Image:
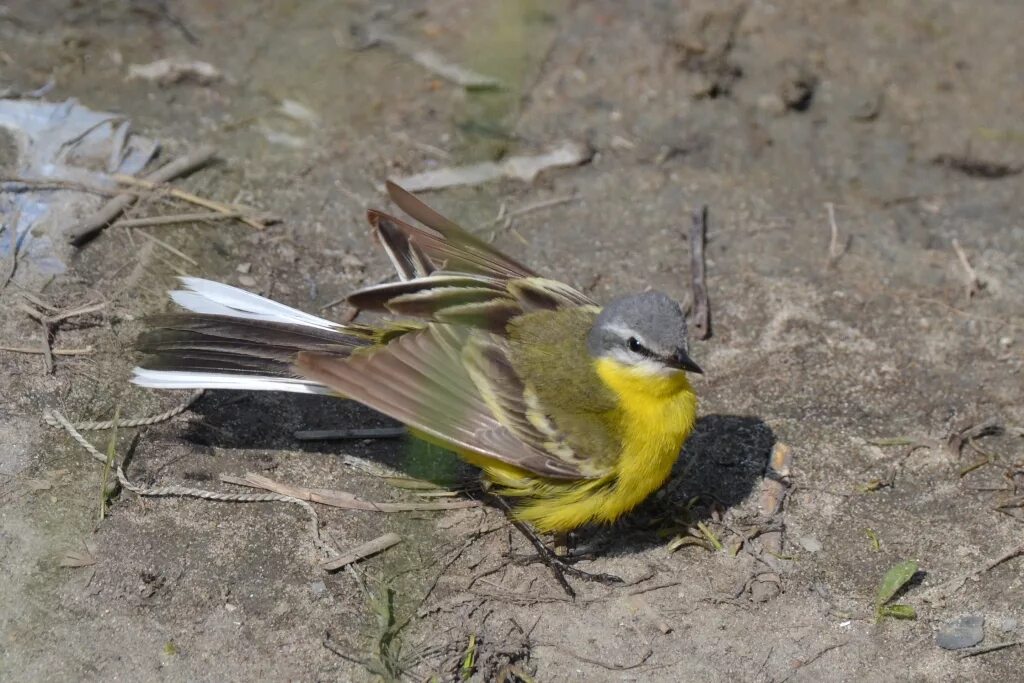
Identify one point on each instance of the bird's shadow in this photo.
(720, 466)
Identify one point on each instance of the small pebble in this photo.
(771, 103)
(244, 268)
(247, 280)
(319, 588)
(965, 631)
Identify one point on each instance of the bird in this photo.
(573, 411)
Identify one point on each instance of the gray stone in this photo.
(965, 631)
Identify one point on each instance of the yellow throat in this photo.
(656, 413)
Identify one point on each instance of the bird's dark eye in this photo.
(634, 345)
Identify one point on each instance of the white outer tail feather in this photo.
(214, 298)
(183, 379)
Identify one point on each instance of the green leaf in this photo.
(468, 659)
(895, 579)
(898, 612)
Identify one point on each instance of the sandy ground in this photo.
(768, 113)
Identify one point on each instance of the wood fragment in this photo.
(93, 224)
(766, 585)
(349, 434)
(361, 552)
(341, 499)
(700, 315)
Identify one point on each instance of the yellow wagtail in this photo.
(577, 411)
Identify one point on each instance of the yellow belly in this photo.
(655, 416)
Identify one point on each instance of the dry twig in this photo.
(985, 649)
(175, 219)
(349, 434)
(945, 590)
(243, 213)
(700, 317)
(177, 252)
(91, 225)
(341, 499)
(611, 666)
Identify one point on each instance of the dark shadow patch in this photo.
(721, 465)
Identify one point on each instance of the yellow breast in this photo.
(654, 416)
(657, 412)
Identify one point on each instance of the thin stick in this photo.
(947, 589)
(55, 184)
(362, 552)
(46, 350)
(57, 352)
(174, 219)
(93, 224)
(341, 499)
(60, 317)
(700, 319)
(974, 652)
(611, 666)
(180, 254)
(244, 213)
(973, 281)
(350, 434)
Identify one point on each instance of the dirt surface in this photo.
(898, 115)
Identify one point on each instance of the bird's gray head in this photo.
(644, 330)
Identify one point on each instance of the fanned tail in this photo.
(233, 339)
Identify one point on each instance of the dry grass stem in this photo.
(341, 499)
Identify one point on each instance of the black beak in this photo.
(682, 361)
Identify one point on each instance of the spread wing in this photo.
(453, 380)
(422, 380)
(447, 245)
